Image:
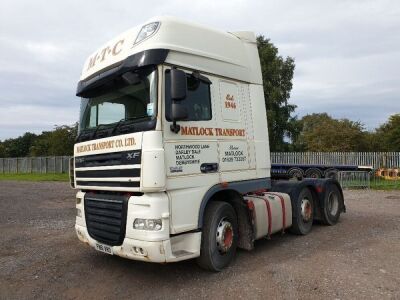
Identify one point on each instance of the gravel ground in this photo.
(40, 256)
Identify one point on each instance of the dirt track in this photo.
(40, 257)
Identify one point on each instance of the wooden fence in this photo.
(59, 164)
(53, 164)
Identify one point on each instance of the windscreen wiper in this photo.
(95, 131)
(84, 133)
(124, 120)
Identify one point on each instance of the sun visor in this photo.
(142, 59)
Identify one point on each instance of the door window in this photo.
(197, 101)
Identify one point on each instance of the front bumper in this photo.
(177, 248)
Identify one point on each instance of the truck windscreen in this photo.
(129, 99)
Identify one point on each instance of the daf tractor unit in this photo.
(172, 159)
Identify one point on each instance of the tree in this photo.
(320, 132)
(63, 139)
(388, 134)
(277, 76)
(373, 142)
(2, 150)
(58, 142)
(19, 146)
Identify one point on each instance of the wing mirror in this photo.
(178, 85)
(178, 94)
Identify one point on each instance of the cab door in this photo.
(234, 132)
(191, 154)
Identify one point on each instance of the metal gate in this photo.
(354, 179)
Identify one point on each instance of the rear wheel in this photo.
(296, 173)
(302, 212)
(313, 173)
(219, 236)
(332, 205)
(331, 173)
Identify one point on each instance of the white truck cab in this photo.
(172, 159)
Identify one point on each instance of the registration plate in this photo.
(104, 248)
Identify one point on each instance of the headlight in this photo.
(147, 224)
(146, 31)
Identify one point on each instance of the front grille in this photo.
(101, 170)
(106, 217)
(131, 184)
(109, 159)
(108, 173)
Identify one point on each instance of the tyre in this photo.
(313, 173)
(219, 236)
(331, 173)
(296, 173)
(302, 212)
(332, 205)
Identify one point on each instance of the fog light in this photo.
(79, 212)
(78, 200)
(147, 224)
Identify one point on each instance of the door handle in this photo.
(209, 167)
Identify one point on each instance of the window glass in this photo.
(197, 102)
(110, 112)
(93, 116)
(122, 101)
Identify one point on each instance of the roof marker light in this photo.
(146, 31)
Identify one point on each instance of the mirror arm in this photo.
(175, 127)
(198, 76)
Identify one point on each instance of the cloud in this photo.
(346, 52)
(19, 119)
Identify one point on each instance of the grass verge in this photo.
(386, 187)
(378, 183)
(35, 177)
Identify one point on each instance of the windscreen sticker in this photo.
(150, 109)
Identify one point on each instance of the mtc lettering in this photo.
(101, 56)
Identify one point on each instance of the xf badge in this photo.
(132, 155)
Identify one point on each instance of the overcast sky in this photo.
(347, 53)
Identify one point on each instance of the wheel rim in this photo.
(306, 210)
(332, 174)
(314, 175)
(296, 174)
(224, 236)
(333, 203)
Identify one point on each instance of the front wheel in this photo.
(219, 236)
(302, 212)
